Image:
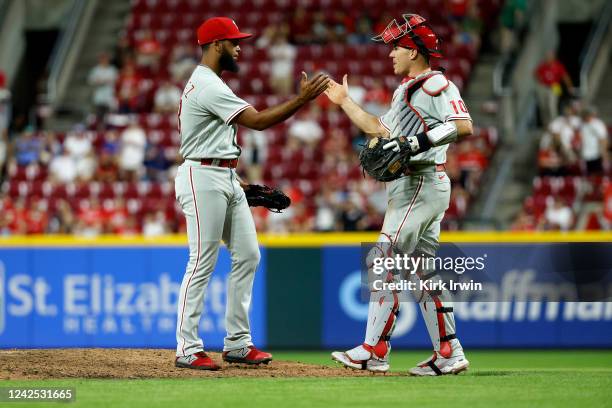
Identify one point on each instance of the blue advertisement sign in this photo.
(110, 297)
(526, 309)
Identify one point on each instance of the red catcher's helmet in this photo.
(414, 33)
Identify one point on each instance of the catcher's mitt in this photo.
(385, 164)
(264, 196)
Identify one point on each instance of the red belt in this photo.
(229, 163)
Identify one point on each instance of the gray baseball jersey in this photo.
(436, 102)
(208, 106)
(215, 208)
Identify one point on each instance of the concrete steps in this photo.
(102, 36)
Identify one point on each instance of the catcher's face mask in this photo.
(413, 33)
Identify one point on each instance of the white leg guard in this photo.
(437, 309)
(382, 313)
(384, 305)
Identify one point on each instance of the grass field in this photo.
(496, 379)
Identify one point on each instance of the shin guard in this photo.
(382, 313)
(437, 309)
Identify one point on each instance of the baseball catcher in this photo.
(407, 149)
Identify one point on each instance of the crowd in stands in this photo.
(115, 173)
(574, 172)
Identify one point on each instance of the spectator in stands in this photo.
(468, 27)
(62, 168)
(558, 216)
(16, 216)
(132, 151)
(154, 224)
(167, 98)
(457, 9)
(51, 147)
(550, 75)
(512, 22)
(300, 26)
(282, 55)
(117, 216)
(148, 51)
(302, 220)
(382, 22)
(356, 90)
(4, 147)
(377, 98)
(108, 170)
(351, 216)
(320, 29)
(123, 52)
(563, 130)
(472, 162)
(5, 118)
(305, 128)
(182, 64)
(594, 142)
(550, 161)
(156, 163)
(363, 32)
(131, 226)
(78, 144)
(28, 147)
(62, 220)
(254, 152)
(524, 222)
(86, 167)
(128, 86)
(90, 218)
(37, 218)
(341, 25)
(5, 103)
(103, 78)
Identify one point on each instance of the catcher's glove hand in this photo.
(384, 159)
(264, 196)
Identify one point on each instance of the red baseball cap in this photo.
(219, 28)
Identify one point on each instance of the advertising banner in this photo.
(109, 297)
(531, 295)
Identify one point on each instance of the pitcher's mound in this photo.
(141, 363)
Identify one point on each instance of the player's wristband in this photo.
(419, 143)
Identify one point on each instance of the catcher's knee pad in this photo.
(374, 262)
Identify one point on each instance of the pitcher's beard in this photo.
(227, 63)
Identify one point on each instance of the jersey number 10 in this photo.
(461, 106)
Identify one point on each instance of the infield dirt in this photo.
(36, 364)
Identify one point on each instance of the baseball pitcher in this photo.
(426, 114)
(212, 196)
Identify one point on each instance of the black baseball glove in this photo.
(264, 196)
(385, 159)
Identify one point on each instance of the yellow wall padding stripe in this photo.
(304, 240)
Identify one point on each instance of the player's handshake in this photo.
(310, 89)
